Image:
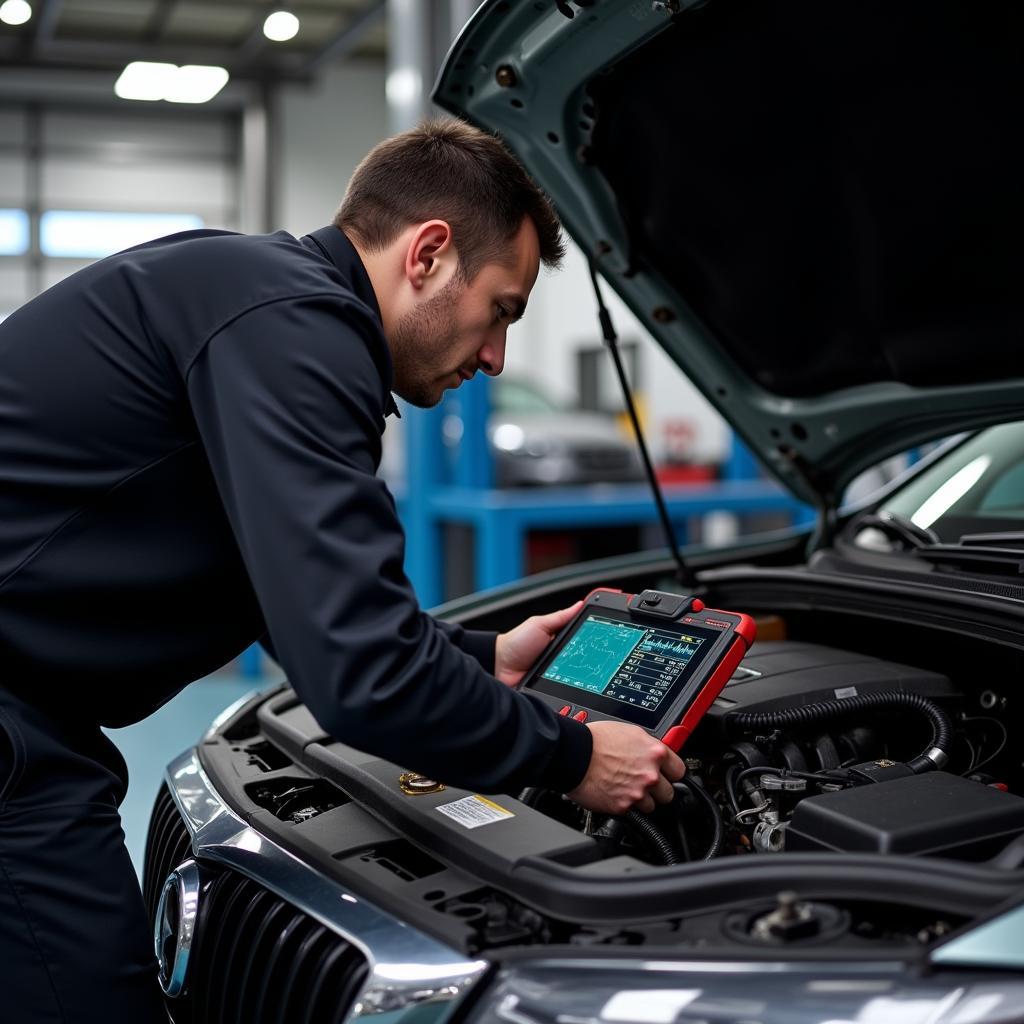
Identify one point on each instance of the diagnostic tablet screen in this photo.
(638, 669)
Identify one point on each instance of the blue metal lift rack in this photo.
(439, 493)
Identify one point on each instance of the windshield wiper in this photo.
(1001, 553)
(1013, 539)
(892, 523)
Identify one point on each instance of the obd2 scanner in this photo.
(653, 659)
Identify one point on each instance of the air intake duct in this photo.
(934, 757)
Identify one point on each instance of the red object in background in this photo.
(685, 474)
(679, 436)
(549, 551)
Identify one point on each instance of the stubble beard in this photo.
(421, 344)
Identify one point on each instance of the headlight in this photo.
(509, 437)
(653, 992)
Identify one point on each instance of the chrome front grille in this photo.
(256, 958)
(167, 845)
(262, 961)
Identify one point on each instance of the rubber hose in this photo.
(942, 728)
(651, 832)
(718, 832)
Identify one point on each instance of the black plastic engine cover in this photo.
(776, 675)
(936, 814)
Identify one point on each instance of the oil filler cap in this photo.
(414, 784)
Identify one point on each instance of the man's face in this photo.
(461, 329)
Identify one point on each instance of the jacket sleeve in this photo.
(480, 643)
(289, 406)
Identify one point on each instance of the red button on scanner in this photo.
(697, 605)
(565, 710)
(580, 716)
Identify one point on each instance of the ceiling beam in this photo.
(95, 90)
(88, 55)
(45, 25)
(350, 36)
(157, 21)
(255, 42)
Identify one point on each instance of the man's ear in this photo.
(430, 252)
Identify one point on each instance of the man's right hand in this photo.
(628, 768)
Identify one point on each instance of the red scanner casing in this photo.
(730, 635)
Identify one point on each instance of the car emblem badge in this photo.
(414, 784)
(175, 924)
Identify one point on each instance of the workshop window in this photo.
(89, 234)
(13, 232)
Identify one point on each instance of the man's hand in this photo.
(519, 648)
(628, 768)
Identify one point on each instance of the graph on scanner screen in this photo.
(632, 664)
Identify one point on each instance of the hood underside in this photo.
(814, 207)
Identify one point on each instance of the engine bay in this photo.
(780, 780)
(797, 730)
(814, 760)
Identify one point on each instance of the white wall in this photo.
(325, 130)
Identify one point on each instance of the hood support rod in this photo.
(684, 573)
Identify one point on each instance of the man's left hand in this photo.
(519, 648)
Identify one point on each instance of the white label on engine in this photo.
(474, 811)
(846, 691)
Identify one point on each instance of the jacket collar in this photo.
(335, 246)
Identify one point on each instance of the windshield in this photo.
(977, 488)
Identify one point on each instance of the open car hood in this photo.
(815, 208)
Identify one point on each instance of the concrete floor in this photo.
(149, 745)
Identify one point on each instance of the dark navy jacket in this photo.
(189, 437)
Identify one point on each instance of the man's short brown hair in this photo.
(448, 170)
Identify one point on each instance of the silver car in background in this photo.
(536, 442)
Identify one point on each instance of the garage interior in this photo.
(86, 170)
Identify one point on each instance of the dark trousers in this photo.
(75, 946)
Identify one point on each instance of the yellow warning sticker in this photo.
(474, 811)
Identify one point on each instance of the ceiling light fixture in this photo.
(15, 12)
(196, 83)
(144, 80)
(191, 83)
(281, 26)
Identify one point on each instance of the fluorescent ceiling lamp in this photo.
(13, 232)
(87, 234)
(145, 80)
(196, 83)
(281, 26)
(191, 83)
(15, 12)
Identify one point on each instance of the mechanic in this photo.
(191, 431)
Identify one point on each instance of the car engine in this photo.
(815, 749)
